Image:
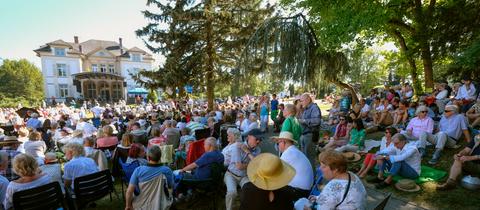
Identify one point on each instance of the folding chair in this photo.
(127, 171)
(92, 187)
(47, 196)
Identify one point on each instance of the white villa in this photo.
(94, 69)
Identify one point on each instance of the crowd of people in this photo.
(173, 144)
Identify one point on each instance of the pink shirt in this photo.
(418, 126)
(157, 141)
(107, 141)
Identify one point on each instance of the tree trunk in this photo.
(210, 76)
(427, 64)
(423, 33)
(411, 61)
(349, 87)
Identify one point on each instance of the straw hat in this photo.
(285, 135)
(269, 172)
(77, 133)
(351, 156)
(51, 157)
(407, 185)
(8, 140)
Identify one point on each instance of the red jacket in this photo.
(195, 151)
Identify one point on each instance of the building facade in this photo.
(94, 69)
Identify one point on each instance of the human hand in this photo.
(457, 156)
(467, 158)
(128, 207)
(312, 198)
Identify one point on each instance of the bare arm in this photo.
(129, 197)
(189, 167)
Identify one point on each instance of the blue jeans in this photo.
(399, 168)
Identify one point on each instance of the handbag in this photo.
(346, 190)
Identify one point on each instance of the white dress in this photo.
(333, 193)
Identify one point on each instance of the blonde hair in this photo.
(291, 108)
(25, 165)
(107, 131)
(22, 132)
(127, 139)
(35, 136)
(76, 148)
(333, 159)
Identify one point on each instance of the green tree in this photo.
(20, 82)
(204, 38)
(423, 30)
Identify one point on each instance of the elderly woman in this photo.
(419, 124)
(344, 189)
(108, 139)
(78, 165)
(291, 123)
(233, 136)
(137, 153)
(36, 147)
(27, 168)
(386, 148)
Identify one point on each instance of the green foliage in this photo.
(20, 82)
(152, 96)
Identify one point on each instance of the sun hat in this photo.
(7, 140)
(269, 172)
(451, 108)
(77, 132)
(257, 133)
(407, 185)
(51, 157)
(285, 135)
(351, 156)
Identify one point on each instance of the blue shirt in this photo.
(453, 126)
(204, 162)
(239, 156)
(77, 167)
(263, 109)
(312, 117)
(34, 123)
(274, 104)
(148, 172)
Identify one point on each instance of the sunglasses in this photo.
(447, 111)
(424, 111)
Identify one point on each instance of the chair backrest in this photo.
(217, 171)
(93, 186)
(173, 139)
(47, 196)
(202, 133)
(382, 204)
(128, 169)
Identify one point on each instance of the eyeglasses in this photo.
(424, 111)
(447, 111)
(342, 118)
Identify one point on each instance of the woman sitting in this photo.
(342, 133)
(35, 147)
(30, 176)
(400, 116)
(137, 153)
(385, 148)
(344, 190)
(357, 138)
(108, 139)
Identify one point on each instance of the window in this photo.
(59, 51)
(91, 90)
(136, 57)
(94, 67)
(111, 68)
(61, 70)
(63, 89)
(103, 68)
(117, 91)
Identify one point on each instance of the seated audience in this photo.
(467, 160)
(3, 181)
(365, 109)
(357, 138)
(136, 153)
(342, 133)
(267, 189)
(473, 114)
(451, 127)
(382, 115)
(27, 168)
(143, 174)
(386, 148)
(344, 189)
(53, 169)
(302, 182)
(422, 123)
(466, 95)
(404, 162)
(253, 119)
(36, 147)
(78, 165)
(108, 139)
(240, 157)
(10, 145)
(400, 116)
(233, 136)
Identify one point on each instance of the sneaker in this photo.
(374, 179)
(433, 161)
(382, 185)
(450, 184)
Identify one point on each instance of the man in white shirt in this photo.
(300, 185)
(405, 162)
(365, 111)
(466, 95)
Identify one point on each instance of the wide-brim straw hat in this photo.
(285, 135)
(8, 140)
(352, 156)
(407, 185)
(269, 172)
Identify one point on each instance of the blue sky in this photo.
(27, 24)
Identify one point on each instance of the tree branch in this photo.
(399, 23)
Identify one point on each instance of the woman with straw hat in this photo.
(269, 176)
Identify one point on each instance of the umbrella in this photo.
(138, 91)
(22, 112)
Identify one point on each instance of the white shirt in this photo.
(303, 178)
(441, 95)
(410, 155)
(386, 150)
(251, 126)
(365, 108)
(332, 194)
(418, 126)
(463, 93)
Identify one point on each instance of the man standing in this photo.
(310, 120)
(300, 185)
